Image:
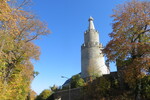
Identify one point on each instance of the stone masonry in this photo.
(92, 59)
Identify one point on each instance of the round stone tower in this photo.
(92, 59)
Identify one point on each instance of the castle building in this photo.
(92, 58)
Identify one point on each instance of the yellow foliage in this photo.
(17, 30)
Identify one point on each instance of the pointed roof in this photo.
(91, 24)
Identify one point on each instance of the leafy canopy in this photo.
(77, 81)
(44, 94)
(130, 44)
(18, 28)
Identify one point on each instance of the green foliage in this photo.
(106, 88)
(77, 81)
(35, 73)
(54, 88)
(115, 83)
(31, 95)
(145, 83)
(103, 85)
(98, 89)
(44, 94)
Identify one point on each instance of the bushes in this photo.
(44, 95)
(107, 88)
(98, 89)
(145, 87)
(77, 81)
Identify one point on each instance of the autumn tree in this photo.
(130, 44)
(18, 28)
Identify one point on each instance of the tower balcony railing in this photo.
(92, 44)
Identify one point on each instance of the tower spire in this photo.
(91, 24)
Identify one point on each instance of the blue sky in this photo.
(67, 20)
